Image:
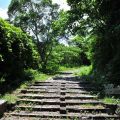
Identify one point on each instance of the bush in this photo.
(17, 51)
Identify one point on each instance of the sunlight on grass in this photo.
(41, 77)
(11, 98)
(63, 68)
(111, 100)
(84, 70)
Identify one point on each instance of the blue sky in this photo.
(4, 4)
(3, 8)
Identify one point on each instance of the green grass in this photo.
(36, 76)
(63, 68)
(41, 77)
(111, 100)
(10, 98)
(83, 70)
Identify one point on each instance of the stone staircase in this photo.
(62, 98)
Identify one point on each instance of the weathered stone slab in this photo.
(49, 108)
(81, 97)
(39, 96)
(90, 116)
(3, 106)
(36, 114)
(82, 102)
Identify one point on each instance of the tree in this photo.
(83, 43)
(36, 17)
(100, 19)
(60, 26)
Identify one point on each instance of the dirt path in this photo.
(61, 98)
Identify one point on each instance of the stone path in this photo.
(61, 98)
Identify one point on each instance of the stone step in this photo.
(54, 87)
(43, 88)
(90, 116)
(29, 118)
(55, 108)
(50, 84)
(85, 110)
(60, 82)
(55, 96)
(82, 88)
(39, 82)
(65, 88)
(52, 91)
(81, 96)
(76, 91)
(46, 85)
(42, 114)
(50, 108)
(83, 102)
(72, 116)
(76, 94)
(58, 102)
(40, 101)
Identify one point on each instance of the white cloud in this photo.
(63, 4)
(3, 13)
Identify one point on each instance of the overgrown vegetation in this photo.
(10, 91)
(111, 100)
(100, 21)
(17, 51)
(84, 71)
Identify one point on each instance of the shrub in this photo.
(17, 50)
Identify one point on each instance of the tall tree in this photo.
(102, 19)
(36, 17)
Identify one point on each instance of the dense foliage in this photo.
(17, 51)
(67, 56)
(71, 56)
(101, 20)
(94, 26)
(107, 47)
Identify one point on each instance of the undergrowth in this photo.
(29, 77)
(111, 100)
(83, 71)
